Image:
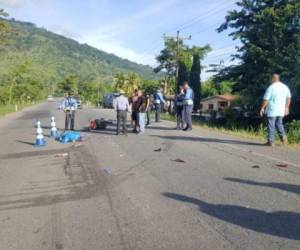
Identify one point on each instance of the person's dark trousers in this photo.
(273, 124)
(148, 117)
(187, 115)
(179, 110)
(122, 118)
(157, 112)
(70, 120)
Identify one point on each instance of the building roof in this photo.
(223, 97)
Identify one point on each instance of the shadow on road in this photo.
(280, 223)
(26, 142)
(210, 140)
(286, 187)
(160, 128)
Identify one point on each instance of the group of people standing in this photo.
(141, 105)
(275, 106)
(184, 101)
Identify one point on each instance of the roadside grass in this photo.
(6, 109)
(260, 134)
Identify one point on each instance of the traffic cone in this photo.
(53, 133)
(40, 140)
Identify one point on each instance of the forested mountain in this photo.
(53, 57)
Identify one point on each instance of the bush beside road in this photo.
(6, 109)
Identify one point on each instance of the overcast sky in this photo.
(131, 29)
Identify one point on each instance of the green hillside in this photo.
(54, 57)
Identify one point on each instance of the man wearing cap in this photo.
(69, 106)
(121, 106)
(188, 104)
(158, 102)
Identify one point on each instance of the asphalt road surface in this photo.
(166, 189)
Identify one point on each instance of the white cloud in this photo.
(19, 3)
(109, 37)
(62, 30)
(122, 51)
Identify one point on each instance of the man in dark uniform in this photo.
(158, 102)
(188, 104)
(179, 107)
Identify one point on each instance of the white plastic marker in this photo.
(40, 140)
(53, 133)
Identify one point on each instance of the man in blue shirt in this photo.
(69, 106)
(159, 101)
(275, 106)
(188, 104)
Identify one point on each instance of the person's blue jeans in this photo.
(142, 122)
(273, 124)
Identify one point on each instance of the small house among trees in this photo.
(216, 104)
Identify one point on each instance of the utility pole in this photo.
(178, 39)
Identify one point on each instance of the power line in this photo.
(193, 19)
(202, 17)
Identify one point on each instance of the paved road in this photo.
(134, 193)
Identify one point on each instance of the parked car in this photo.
(50, 98)
(79, 103)
(108, 100)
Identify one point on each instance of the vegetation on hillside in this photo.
(35, 62)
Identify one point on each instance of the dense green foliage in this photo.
(188, 61)
(269, 31)
(198, 54)
(130, 82)
(36, 62)
(211, 88)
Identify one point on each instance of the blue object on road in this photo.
(70, 136)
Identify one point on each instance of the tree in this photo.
(170, 57)
(195, 74)
(3, 26)
(127, 82)
(69, 84)
(16, 75)
(269, 31)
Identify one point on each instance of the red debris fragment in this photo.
(282, 165)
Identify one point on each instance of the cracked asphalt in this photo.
(166, 189)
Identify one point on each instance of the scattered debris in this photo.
(282, 165)
(78, 144)
(179, 160)
(59, 246)
(255, 166)
(107, 170)
(37, 231)
(61, 155)
(158, 150)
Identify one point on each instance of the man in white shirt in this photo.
(275, 106)
(121, 106)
